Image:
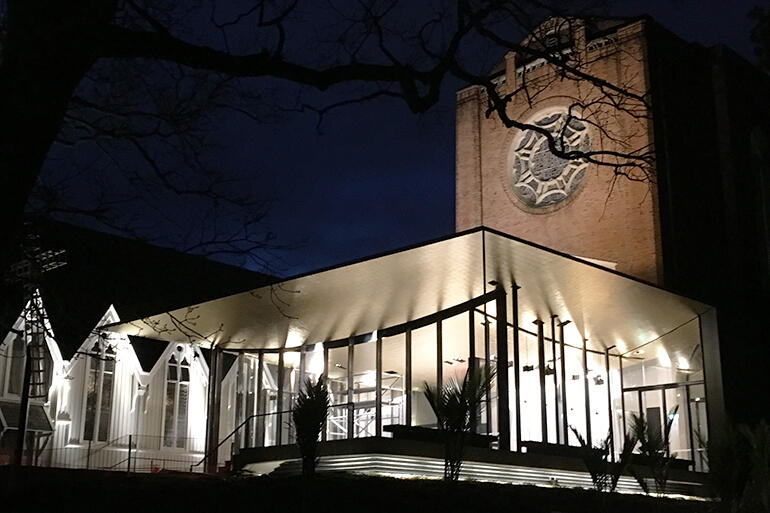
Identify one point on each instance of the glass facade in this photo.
(568, 387)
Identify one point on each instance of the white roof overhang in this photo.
(604, 306)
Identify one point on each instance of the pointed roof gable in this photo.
(135, 277)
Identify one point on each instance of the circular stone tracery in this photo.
(539, 178)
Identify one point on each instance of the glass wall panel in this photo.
(246, 399)
(679, 439)
(364, 389)
(617, 407)
(597, 393)
(700, 432)
(269, 398)
(455, 343)
(291, 384)
(530, 387)
(313, 365)
(512, 389)
(673, 358)
(481, 344)
(493, 428)
(423, 371)
(576, 416)
(393, 381)
(632, 408)
(551, 400)
(337, 425)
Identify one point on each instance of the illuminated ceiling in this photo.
(604, 306)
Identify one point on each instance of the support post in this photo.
(472, 360)
(503, 413)
(439, 358)
(609, 403)
(130, 441)
(325, 377)
(665, 416)
(212, 417)
(408, 381)
(564, 417)
(279, 403)
(260, 420)
(378, 389)
(351, 410)
(622, 396)
(487, 365)
(586, 392)
(516, 362)
(716, 416)
(541, 376)
(555, 381)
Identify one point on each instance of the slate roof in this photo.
(139, 279)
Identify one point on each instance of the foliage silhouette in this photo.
(605, 474)
(309, 415)
(653, 447)
(456, 406)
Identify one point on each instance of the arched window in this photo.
(100, 370)
(177, 392)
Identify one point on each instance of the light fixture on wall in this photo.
(598, 380)
(549, 371)
(528, 368)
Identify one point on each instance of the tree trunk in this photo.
(49, 47)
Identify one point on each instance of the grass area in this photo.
(59, 490)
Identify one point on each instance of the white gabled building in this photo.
(109, 400)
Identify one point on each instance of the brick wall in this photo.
(605, 218)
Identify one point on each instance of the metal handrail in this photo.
(247, 419)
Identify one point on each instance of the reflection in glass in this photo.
(269, 397)
(393, 381)
(423, 371)
(337, 425)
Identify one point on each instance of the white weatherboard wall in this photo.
(137, 406)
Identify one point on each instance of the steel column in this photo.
(408, 381)
(503, 413)
(351, 409)
(279, 405)
(555, 380)
(472, 360)
(541, 376)
(260, 420)
(378, 389)
(325, 377)
(564, 418)
(609, 402)
(587, 396)
(516, 362)
(622, 396)
(439, 358)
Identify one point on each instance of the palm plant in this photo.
(309, 415)
(653, 446)
(456, 406)
(605, 474)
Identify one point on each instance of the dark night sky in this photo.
(378, 177)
